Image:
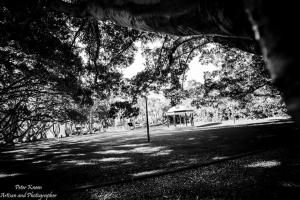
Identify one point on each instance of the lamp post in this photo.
(147, 120)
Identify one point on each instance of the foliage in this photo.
(166, 66)
(39, 73)
(241, 88)
(107, 50)
(76, 116)
(122, 110)
(157, 106)
(42, 76)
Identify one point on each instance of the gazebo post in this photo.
(185, 119)
(174, 119)
(192, 119)
(179, 120)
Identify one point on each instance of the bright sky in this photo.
(136, 66)
(195, 72)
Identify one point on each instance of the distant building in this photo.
(181, 115)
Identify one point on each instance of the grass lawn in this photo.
(269, 175)
(60, 165)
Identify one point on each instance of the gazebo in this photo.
(180, 115)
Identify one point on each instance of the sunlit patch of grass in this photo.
(133, 145)
(219, 157)
(191, 139)
(290, 185)
(105, 196)
(17, 151)
(147, 149)
(155, 150)
(129, 163)
(146, 173)
(112, 152)
(39, 161)
(162, 153)
(264, 164)
(78, 162)
(112, 159)
(4, 175)
(63, 155)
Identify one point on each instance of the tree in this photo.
(156, 110)
(29, 26)
(226, 22)
(166, 67)
(122, 109)
(240, 88)
(43, 78)
(39, 74)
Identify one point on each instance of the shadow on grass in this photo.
(82, 161)
(270, 175)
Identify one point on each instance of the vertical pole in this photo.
(174, 119)
(147, 121)
(185, 119)
(192, 120)
(234, 117)
(179, 119)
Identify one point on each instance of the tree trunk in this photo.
(275, 24)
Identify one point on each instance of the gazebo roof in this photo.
(177, 110)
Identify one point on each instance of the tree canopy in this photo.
(60, 64)
(43, 76)
(242, 86)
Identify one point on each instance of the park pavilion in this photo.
(181, 115)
